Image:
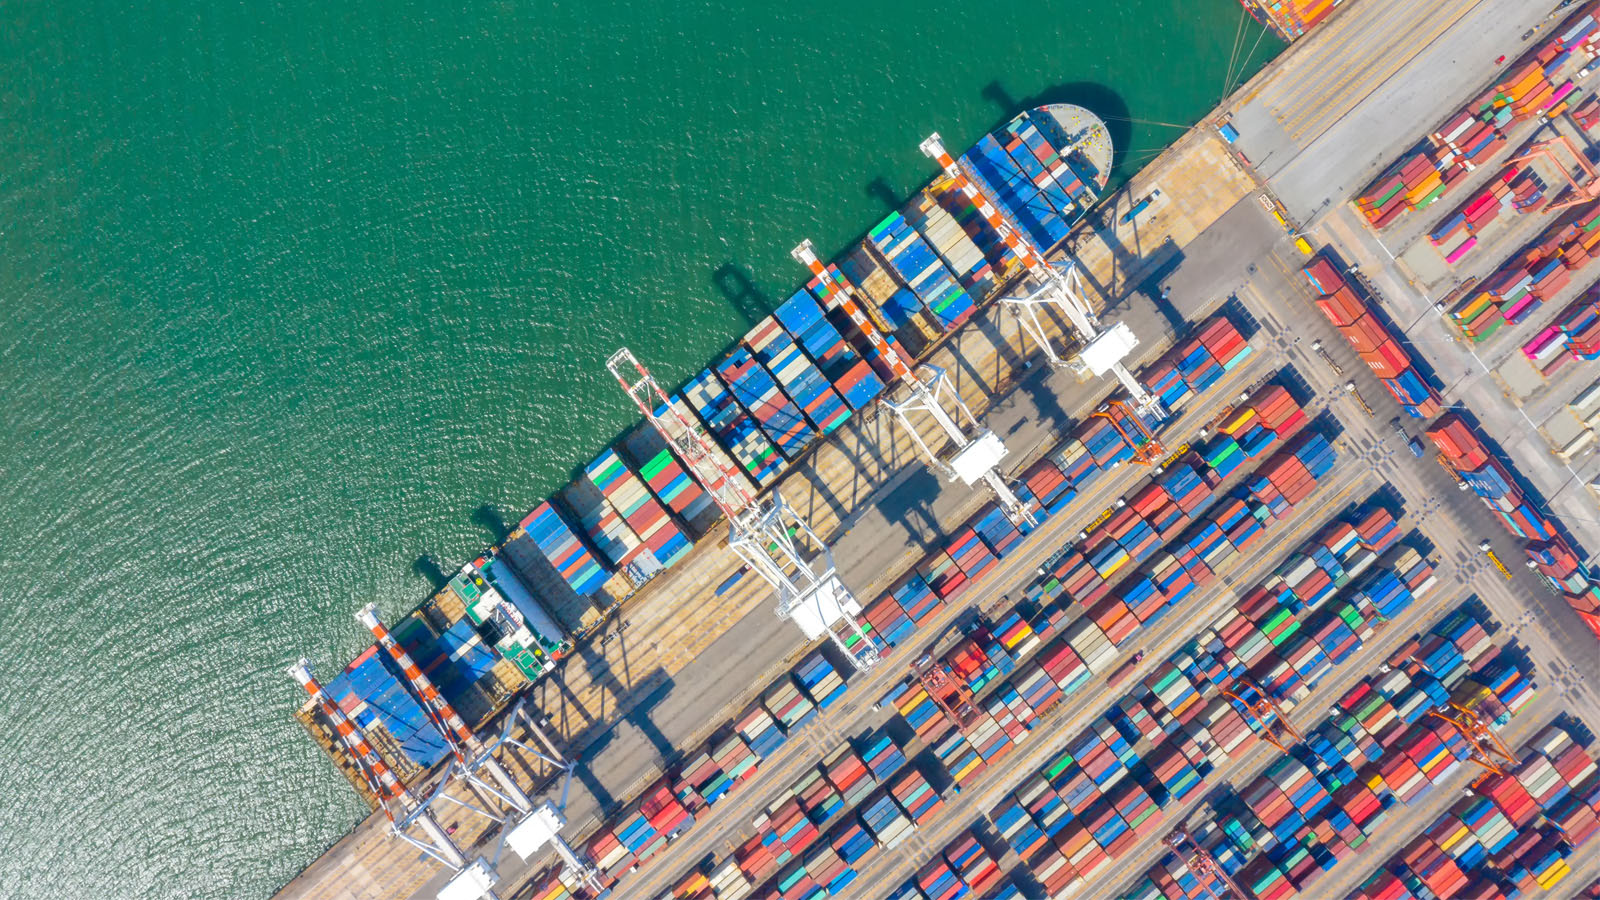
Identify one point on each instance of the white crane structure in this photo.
(1103, 349)
(528, 826)
(768, 534)
(470, 879)
(971, 459)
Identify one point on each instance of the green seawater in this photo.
(298, 293)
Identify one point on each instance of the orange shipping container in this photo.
(1388, 361)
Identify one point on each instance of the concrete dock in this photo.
(1315, 127)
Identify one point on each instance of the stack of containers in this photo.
(1373, 341)
(604, 525)
(855, 778)
(926, 212)
(668, 481)
(886, 623)
(561, 547)
(1000, 178)
(851, 376)
(917, 265)
(819, 679)
(801, 380)
(978, 870)
(786, 704)
(888, 824)
(996, 529)
(733, 429)
(1054, 176)
(911, 790)
(373, 698)
(759, 732)
(1470, 459)
(755, 390)
(644, 515)
(970, 554)
(883, 368)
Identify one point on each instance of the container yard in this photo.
(1285, 607)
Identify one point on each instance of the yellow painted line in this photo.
(1367, 85)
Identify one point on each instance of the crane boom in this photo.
(1103, 349)
(975, 458)
(463, 742)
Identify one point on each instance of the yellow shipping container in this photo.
(1428, 186)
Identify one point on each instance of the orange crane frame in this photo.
(1585, 191)
(1202, 862)
(1147, 454)
(933, 679)
(1260, 710)
(1487, 749)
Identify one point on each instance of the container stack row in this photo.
(562, 549)
(638, 508)
(1573, 336)
(669, 482)
(915, 263)
(800, 379)
(1377, 346)
(1291, 19)
(1537, 87)
(928, 213)
(1377, 752)
(997, 172)
(1548, 551)
(778, 416)
(1516, 190)
(1196, 363)
(1509, 835)
(1154, 748)
(964, 868)
(850, 375)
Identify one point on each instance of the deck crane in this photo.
(1103, 348)
(536, 824)
(767, 533)
(973, 459)
(1584, 190)
(471, 879)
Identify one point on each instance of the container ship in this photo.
(508, 617)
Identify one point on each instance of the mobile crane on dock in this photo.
(527, 826)
(470, 879)
(1103, 349)
(971, 459)
(768, 534)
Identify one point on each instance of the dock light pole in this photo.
(530, 825)
(767, 533)
(971, 459)
(1103, 349)
(471, 879)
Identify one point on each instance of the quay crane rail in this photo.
(973, 459)
(768, 534)
(536, 824)
(1103, 348)
(470, 879)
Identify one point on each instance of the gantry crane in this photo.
(528, 826)
(1103, 349)
(950, 694)
(470, 879)
(1265, 712)
(1484, 747)
(768, 534)
(972, 459)
(1586, 190)
(1201, 861)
